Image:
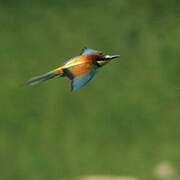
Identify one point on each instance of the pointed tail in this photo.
(50, 75)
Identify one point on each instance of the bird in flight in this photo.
(80, 69)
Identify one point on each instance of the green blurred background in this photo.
(124, 122)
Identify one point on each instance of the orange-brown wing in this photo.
(80, 75)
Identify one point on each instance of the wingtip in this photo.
(83, 49)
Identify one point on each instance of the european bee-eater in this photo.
(80, 69)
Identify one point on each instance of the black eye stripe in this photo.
(96, 64)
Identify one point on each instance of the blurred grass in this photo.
(123, 123)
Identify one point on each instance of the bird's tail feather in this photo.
(38, 79)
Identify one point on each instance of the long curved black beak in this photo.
(109, 57)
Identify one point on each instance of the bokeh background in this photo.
(124, 122)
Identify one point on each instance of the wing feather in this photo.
(80, 81)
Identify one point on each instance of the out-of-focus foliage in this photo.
(124, 122)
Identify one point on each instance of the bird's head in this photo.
(101, 58)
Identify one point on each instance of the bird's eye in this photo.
(101, 56)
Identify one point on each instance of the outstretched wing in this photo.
(80, 81)
(88, 51)
(80, 74)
